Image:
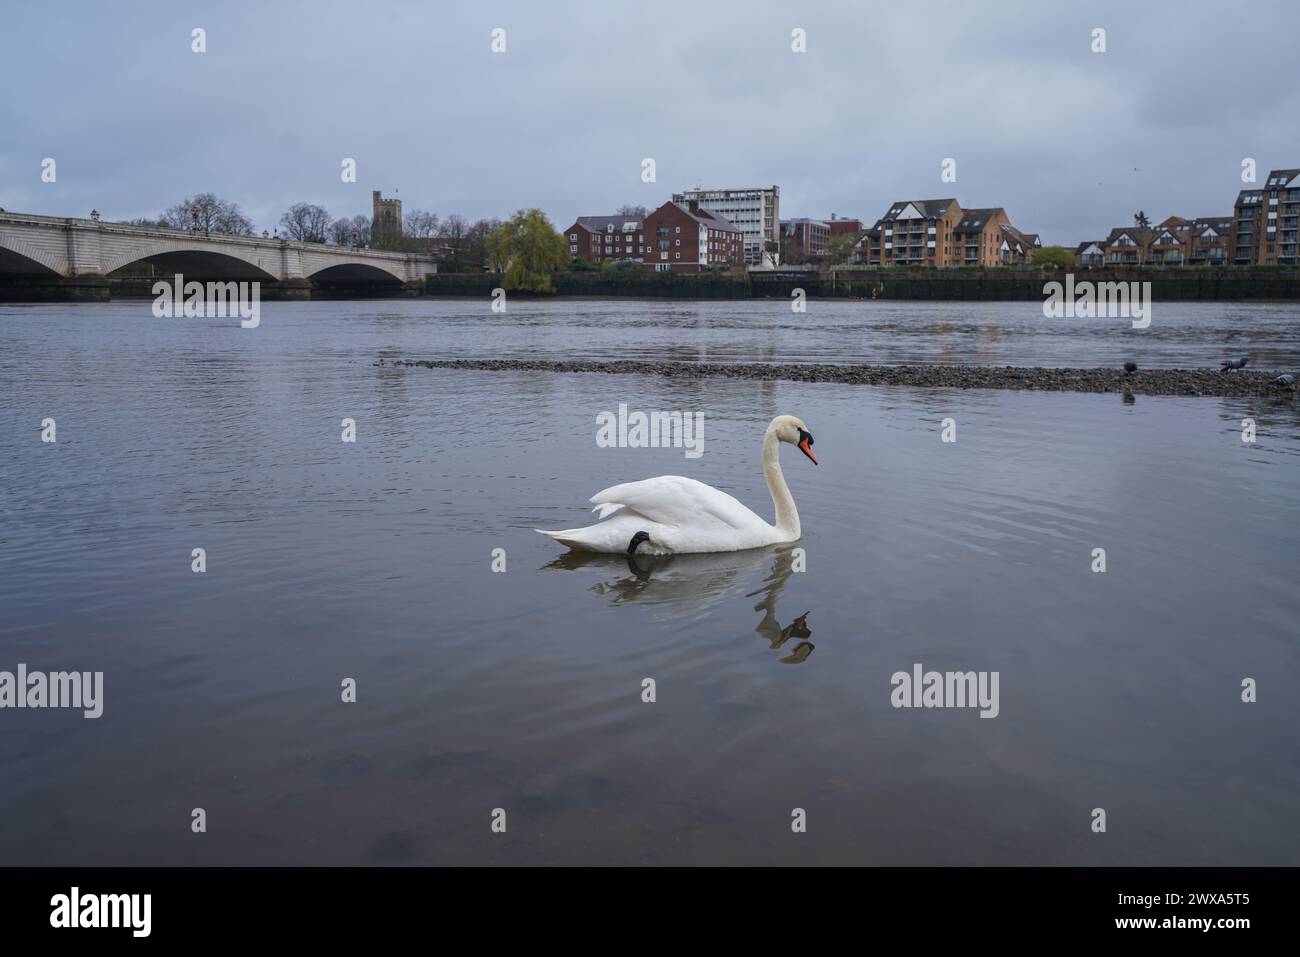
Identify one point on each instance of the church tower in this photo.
(385, 221)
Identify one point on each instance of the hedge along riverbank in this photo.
(630, 283)
(1278, 284)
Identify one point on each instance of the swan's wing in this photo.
(679, 501)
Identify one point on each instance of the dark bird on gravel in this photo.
(1130, 367)
(1286, 380)
(1234, 363)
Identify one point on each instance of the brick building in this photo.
(940, 233)
(687, 238)
(808, 240)
(1211, 240)
(1187, 242)
(601, 238)
(1091, 253)
(919, 233)
(1174, 242)
(1265, 221)
(1016, 248)
(1127, 245)
(867, 249)
(840, 226)
(977, 237)
(754, 210)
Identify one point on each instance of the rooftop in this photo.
(927, 208)
(601, 224)
(974, 219)
(706, 218)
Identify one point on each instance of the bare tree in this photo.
(494, 258)
(476, 251)
(208, 213)
(341, 232)
(453, 229)
(361, 224)
(306, 222)
(421, 224)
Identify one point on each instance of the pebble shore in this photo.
(1207, 382)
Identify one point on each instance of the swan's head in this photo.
(790, 429)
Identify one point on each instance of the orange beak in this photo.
(803, 447)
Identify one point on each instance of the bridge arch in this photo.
(200, 261)
(22, 258)
(358, 270)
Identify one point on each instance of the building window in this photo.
(573, 237)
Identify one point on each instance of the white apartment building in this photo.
(754, 210)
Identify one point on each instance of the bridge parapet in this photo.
(85, 247)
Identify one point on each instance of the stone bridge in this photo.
(78, 256)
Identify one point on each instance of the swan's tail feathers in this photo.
(569, 536)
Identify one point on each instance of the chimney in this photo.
(694, 205)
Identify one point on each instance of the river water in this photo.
(522, 689)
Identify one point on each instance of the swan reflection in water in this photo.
(691, 585)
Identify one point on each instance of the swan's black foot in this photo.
(637, 539)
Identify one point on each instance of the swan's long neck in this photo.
(787, 516)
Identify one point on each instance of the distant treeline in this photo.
(456, 242)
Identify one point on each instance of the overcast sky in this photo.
(1069, 141)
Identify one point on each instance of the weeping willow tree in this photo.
(531, 249)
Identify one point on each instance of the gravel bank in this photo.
(1149, 382)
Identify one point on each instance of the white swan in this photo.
(672, 515)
